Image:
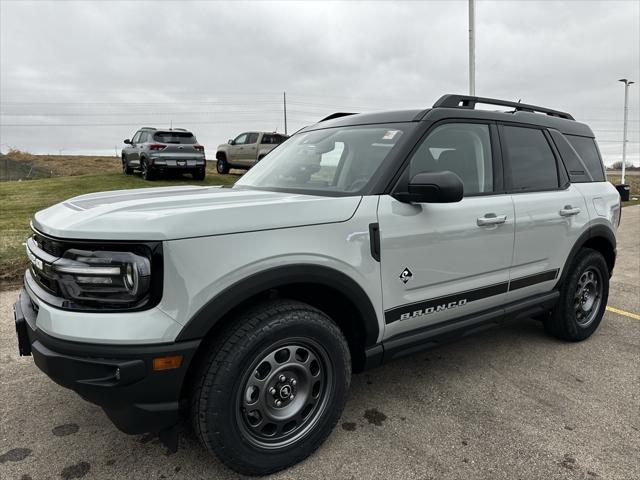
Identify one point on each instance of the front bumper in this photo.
(118, 378)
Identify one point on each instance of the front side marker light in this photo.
(167, 363)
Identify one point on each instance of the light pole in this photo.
(624, 128)
(472, 48)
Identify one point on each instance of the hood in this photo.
(182, 212)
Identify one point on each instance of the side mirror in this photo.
(435, 187)
(127, 141)
(230, 142)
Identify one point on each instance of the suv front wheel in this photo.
(126, 169)
(222, 166)
(271, 388)
(583, 298)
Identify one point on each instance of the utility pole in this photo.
(472, 48)
(624, 128)
(284, 98)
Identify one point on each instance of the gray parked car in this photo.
(154, 152)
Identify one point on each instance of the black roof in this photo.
(463, 106)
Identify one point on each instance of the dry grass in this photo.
(634, 183)
(66, 165)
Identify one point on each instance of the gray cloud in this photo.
(98, 70)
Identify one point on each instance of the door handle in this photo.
(568, 211)
(491, 219)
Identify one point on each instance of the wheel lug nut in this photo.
(282, 378)
(278, 403)
(293, 382)
(292, 396)
(272, 391)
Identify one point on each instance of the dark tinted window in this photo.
(462, 148)
(576, 169)
(175, 137)
(269, 139)
(531, 160)
(586, 148)
(252, 138)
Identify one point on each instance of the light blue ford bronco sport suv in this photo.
(244, 310)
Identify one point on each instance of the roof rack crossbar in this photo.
(466, 101)
(336, 115)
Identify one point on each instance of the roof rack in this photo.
(148, 128)
(466, 101)
(336, 115)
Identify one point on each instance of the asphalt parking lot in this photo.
(506, 404)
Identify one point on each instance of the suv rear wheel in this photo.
(199, 174)
(271, 388)
(147, 173)
(583, 298)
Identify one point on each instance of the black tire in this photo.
(147, 172)
(222, 166)
(291, 340)
(199, 174)
(583, 298)
(126, 169)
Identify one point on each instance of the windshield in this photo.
(339, 161)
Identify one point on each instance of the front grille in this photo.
(52, 247)
(44, 281)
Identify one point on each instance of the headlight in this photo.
(118, 276)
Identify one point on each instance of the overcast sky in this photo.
(80, 76)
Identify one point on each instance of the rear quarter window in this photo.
(175, 137)
(577, 170)
(587, 149)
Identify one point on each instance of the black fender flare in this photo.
(594, 231)
(221, 304)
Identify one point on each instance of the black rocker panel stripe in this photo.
(533, 279)
(469, 296)
(454, 300)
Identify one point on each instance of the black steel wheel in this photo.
(583, 298)
(588, 296)
(284, 393)
(271, 388)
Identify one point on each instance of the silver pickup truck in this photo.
(246, 150)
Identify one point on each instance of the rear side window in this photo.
(530, 159)
(588, 151)
(270, 139)
(175, 137)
